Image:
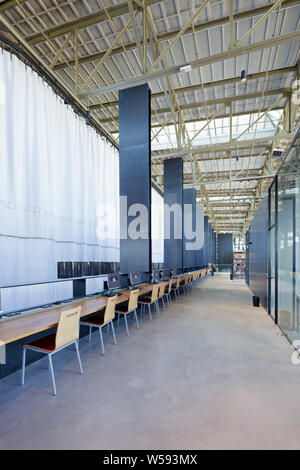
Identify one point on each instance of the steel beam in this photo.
(218, 157)
(117, 10)
(236, 180)
(85, 21)
(220, 147)
(107, 53)
(179, 34)
(200, 104)
(226, 115)
(145, 78)
(10, 4)
(231, 23)
(256, 25)
(216, 83)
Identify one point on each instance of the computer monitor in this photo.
(113, 281)
(161, 275)
(135, 278)
(155, 275)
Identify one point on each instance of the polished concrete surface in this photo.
(212, 372)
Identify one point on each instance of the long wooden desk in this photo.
(44, 319)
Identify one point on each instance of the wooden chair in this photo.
(98, 321)
(161, 294)
(168, 290)
(175, 288)
(131, 307)
(67, 333)
(184, 282)
(153, 300)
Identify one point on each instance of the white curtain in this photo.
(55, 172)
(157, 227)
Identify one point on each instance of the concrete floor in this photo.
(212, 372)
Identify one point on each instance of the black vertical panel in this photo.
(189, 256)
(258, 253)
(214, 248)
(247, 256)
(200, 257)
(173, 194)
(205, 248)
(225, 249)
(135, 170)
(209, 243)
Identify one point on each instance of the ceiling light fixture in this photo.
(185, 69)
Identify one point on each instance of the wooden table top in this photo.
(44, 319)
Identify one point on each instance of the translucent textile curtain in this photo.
(55, 171)
(157, 226)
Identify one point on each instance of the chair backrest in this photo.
(133, 300)
(170, 283)
(162, 287)
(110, 309)
(178, 282)
(195, 275)
(154, 294)
(68, 327)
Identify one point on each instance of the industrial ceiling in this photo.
(192, 54)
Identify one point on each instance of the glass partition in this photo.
(288, 230)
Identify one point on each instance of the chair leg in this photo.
(113, 332)
(78, 357)
(52, 374)
(118, 320)
(90, 334)
(163, 303)
(107, 331)
(142, 309)
(157, 308)
(150, 314)
(23, 366)
(101, 341)
(126, 324)
(136, 318)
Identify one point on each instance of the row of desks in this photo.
(44, 319)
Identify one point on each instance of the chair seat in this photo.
(145, 300)
(43, 344)
(122, 309)
(94, 320)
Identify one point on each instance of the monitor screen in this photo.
(113, 281)
(173, 272)
(135, 278)
(161, 275)
(155, 275)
